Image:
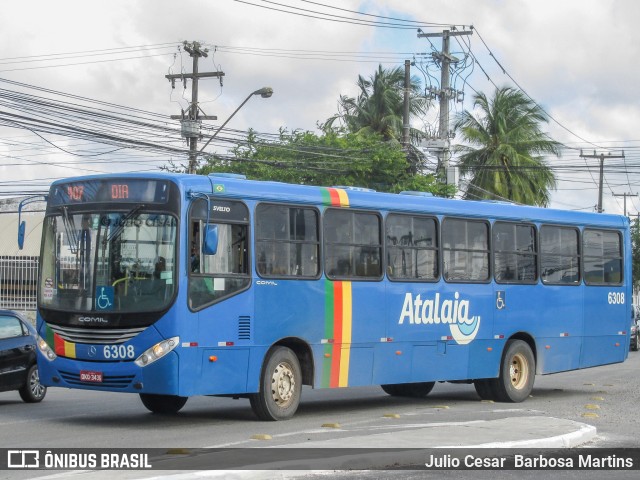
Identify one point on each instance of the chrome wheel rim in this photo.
(37, 389)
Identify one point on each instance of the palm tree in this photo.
(378, 107)
(506, 147)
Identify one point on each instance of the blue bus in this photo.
(175, 285)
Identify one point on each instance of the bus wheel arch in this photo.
(304, 353)
(517, 370)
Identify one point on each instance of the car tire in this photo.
(33, 391)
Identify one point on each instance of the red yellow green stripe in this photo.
(346, 335)
(60, 345)
(335, 197)
(338, 317)
(338, 320)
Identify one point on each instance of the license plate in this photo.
(90, 376)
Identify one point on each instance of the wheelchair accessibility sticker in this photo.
(501, 300)
(104, 298)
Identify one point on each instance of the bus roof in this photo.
(234, 186)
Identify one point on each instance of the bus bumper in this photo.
(160, 377)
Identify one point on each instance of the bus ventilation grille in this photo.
(244, 328)
(96, 335)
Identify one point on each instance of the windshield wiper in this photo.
(70, 228)
(121, 224)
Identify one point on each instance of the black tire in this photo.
(413, 390)
(163, 403)
(517, 373)
(280, 386)
(484, 388)
(636, 345)
(33, 391)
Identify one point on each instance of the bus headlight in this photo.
(45, 349)
(158, 351)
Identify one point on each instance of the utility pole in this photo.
(445, 93)
(407, 105)
(625, 195)
(191, 120)
(601, 157)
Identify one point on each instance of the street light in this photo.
(265, 92)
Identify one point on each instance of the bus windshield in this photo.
(115, 262)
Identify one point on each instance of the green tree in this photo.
(504, 155)
(332, 158)
(379, 106)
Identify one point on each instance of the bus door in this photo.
(607, 299)
(219, 292)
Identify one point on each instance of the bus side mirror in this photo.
(21, 229)
(210, 244)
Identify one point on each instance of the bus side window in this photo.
(352, 244)
(560, 255)
(515, 252)
(226, 272)
(465, 249)
(287, 241)
(602, 257)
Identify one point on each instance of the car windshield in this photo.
(108, 261)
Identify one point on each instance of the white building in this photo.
(19, 268)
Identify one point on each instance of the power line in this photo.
(308, 13)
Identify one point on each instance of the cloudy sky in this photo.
(576, 58)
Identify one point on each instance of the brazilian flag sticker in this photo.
(218, 188)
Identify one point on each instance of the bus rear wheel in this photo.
(484, 388)
(280, 386)
(517, 373)
(163, 403)
(414, 390)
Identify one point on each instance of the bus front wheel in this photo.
(280, 386)
(414, 390)
(517, 373)
(163, 403)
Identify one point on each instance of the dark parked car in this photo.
(18, 368)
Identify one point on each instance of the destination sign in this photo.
(115, 190)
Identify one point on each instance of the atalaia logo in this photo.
(454, 312)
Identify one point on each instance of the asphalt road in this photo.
(606, 397)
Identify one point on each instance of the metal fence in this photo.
(18, 282)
